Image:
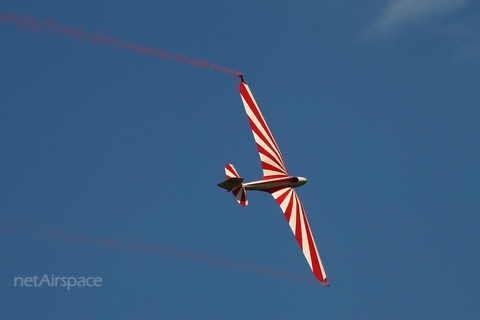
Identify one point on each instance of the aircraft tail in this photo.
(234, 184)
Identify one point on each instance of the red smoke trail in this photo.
(35, 229)
(101, 38)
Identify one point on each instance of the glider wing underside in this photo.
(272, 161)
(294, 212)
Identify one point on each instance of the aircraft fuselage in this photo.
(267, 184)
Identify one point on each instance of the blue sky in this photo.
(110, 159)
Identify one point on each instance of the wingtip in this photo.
(325, 283)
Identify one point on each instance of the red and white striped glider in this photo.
(275, 181)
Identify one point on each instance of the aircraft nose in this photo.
(298, 181)
(301, 181)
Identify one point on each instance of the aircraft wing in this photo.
(294, 212)
(270, 155)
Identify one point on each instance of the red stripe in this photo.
(243, 198)
(313, 254)
(298, 224)
(281, 197)
(288, 210)
(232, 171)
(274, 147)
(246, 96)
(317, 270)
(276, 152)
(267, 166)
(236, 190)
(256, 111)
(265, 152)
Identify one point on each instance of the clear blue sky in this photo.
(376, 103)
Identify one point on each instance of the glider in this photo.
(275, 181)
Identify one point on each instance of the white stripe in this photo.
(269, 161)
(268, 173)
(254, 101)
(316, 250)
(293, 215)
(230, 173)
(274, 151)
(285, 201)
(269, 150)
(278, 193)
(257, 123)
(272, 141)
(305, 246)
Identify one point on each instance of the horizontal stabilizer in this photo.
(231, 183)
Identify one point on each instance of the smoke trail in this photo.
(78, 34)
(9, 225)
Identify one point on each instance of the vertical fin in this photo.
(240, 195)
(234, 183)
(230, 171)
